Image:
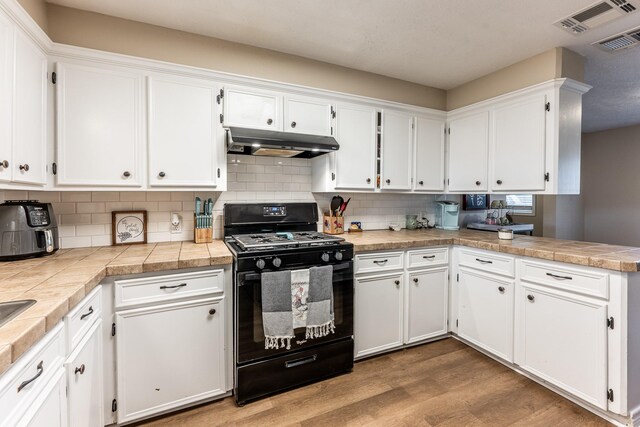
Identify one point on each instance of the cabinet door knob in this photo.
(421, 182)
(80, 369)
(269, 121)
(397, 282)
(126, 174)
(212, 311)
(4, 164)
(499, 182)
(388, 181)
(501, 289)
(162, 174)
(415, 280)
(368, 180)
(293, 124)
(24, 167)
(478, 183)
(531, 298)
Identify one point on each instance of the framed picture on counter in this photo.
(128, 227)
(475, 202)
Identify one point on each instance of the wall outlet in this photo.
(176, 223)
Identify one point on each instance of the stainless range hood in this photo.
(258, 142)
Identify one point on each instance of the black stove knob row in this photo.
(325, 257)
(277, 262)
(260, 264)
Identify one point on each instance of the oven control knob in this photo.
(277, 262)
(325, 257)
(260, 264)
(338, 256)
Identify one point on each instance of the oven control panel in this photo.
(274, 211)
(317, 258)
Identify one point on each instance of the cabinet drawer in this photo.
(428, 257)
(131, 292)
(579, 280)
(488, 261)
(80, 319)
(370, 263)
(37, 366)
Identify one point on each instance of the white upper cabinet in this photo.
(7, 31)
(252, 108)
(308, 115)
(184, 132)
(100, 125)
(29, 112)
(429, 154)
(518, 144)
(468, 152)
(397, 140)
(355, 161)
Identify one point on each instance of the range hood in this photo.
(257, 142)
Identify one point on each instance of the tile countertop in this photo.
(60, 281)
(610, 257)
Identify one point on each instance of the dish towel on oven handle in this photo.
(277, 314)
(320, 317)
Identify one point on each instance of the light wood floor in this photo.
(444, 383)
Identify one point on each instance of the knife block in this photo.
(202, 234)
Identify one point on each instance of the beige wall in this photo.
(554, 63)
(611, 186)
(96, 31)
(38, 11)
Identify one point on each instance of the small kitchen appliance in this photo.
(276, 237)
(447, 215)
(27, 229)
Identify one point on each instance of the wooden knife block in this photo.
(202, 235)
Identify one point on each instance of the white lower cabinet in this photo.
(85, 380)
(485, 311)
(168, 356)
(47, 410)
(398, 304)
(562, 338)
(426, 304)
(378, 313)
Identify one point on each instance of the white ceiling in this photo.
(436, 43)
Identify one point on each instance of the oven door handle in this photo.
(257, 276)
(298, 362)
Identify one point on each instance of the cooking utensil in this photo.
(336, 202)
(344, 206)
(197, 211)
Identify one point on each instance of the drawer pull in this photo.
(531, 298)
(212, 311)
(181, 285)
(484, 261)
(555, 276)
(415, 280)
(303, 361)
(80, 369)
(27, 382)
(429, 257)
(380, 262)
(87, 314)
(501, 289)
(397, 282)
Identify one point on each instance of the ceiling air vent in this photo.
(625, 40)
(595, 15)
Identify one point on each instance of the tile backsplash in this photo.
(84, 217)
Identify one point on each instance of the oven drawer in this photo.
(428, 257)
(146, 290)
(488, 261)
(294, 369)
(372, 263)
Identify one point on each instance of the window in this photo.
(521, 204)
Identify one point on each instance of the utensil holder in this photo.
(203, 229)
(332, 224)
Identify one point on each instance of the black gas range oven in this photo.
(283, 236)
